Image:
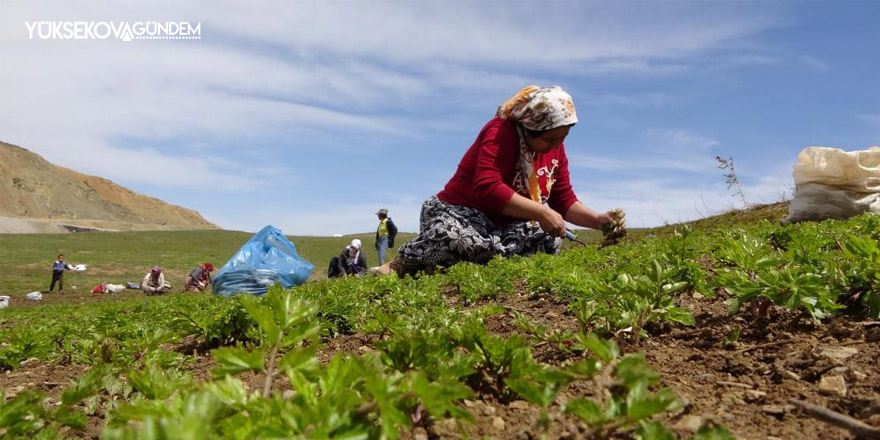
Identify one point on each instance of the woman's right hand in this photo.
(552, 222)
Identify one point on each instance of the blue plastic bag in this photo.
(267, 258)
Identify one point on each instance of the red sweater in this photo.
(484, 179)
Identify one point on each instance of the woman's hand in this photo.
(552, 222)
(520, 207)
(586, 217)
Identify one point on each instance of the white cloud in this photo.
(323, 220)
(668, 150)
(406, 32)
(654, 202)
(635, 100)
(815, 63)
(666, 197)
(684, 140)
(634, 66)
(871, 119)
(694, 164)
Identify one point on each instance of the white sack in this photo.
(832, 183)
(34, 296)
(113, 288)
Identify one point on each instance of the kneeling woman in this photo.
(154, 282)
(511, 194)
(199, 278)
(349, 262)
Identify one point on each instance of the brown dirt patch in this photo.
(47, 378)
(747, 385)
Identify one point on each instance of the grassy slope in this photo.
(117, 257)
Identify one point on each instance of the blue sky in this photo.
(311, 115)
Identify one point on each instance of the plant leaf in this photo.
(234, 360)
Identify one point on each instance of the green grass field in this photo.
(117, 257)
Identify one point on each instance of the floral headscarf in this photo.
(539, 109)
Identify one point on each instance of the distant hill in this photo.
(37, 196)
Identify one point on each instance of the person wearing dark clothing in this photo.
(58, 269)
(350, 261)
(385, 234)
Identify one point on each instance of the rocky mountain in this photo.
(37, 196)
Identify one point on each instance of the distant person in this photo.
(199, 278)
(511, 193)
(58, 268)
(385, 234)
(154, 282)
(350, 261)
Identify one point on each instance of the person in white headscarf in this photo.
(511, 194)
(351, 261)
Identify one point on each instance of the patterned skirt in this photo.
(449, 234)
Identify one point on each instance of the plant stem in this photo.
(270, 368)
(854, 426)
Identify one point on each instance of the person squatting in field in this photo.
(154, 282)
(350, 261)
(199, 278)
(58, 268)
(511, 194)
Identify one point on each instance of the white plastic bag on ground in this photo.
(113, 288)
(4, 302)
(832, 183)
(34, 296)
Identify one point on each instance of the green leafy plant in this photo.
(682, 258)
(286, 323)
(495, 359)
(786, 287)
(474, 282)
(733, 337)
(560, 338)
(758, 275)
(22, 345)
(219, 324)
(25, 416)
(865, 271)
(621, 389)
(633, 301)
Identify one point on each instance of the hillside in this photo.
(38, 196)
